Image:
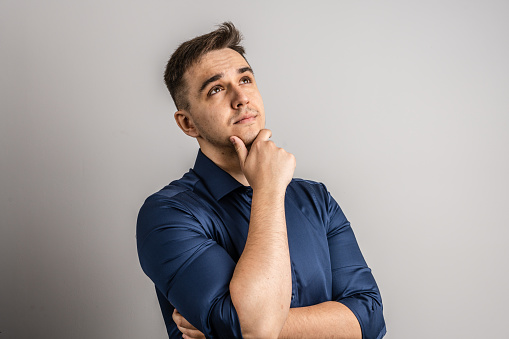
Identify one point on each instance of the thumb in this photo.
(240, 148)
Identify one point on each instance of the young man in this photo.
(236, 247)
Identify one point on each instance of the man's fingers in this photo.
(264, 135)
(188, 330)
(181, 321)
(240, 148)
(191, 334)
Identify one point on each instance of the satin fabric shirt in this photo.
(191, 234)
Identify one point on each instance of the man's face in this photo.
(223, 100)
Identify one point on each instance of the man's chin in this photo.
(248, 142)
(248, 139)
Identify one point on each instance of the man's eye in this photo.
(215, 90)
(245, 80)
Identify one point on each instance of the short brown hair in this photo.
(190, 52)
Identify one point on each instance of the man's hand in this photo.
(188, 330)
(265, 166)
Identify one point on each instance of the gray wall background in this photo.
(400, 107)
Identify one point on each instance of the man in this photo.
(236, 247)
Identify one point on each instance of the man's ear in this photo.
(186, 124)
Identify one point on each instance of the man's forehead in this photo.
(216, 62)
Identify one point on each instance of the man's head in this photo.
(190, 52)
(215, 91)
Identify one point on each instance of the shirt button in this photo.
(293, 296)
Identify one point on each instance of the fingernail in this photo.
(232, 140)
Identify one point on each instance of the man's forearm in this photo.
(326, 320)
(261, 286)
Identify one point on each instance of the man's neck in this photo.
(228, 160)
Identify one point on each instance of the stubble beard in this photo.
(224, 142)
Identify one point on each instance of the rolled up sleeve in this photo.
(188, 268)
(352, 282)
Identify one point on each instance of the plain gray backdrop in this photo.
(400, 107)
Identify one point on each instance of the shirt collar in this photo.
(218, 182)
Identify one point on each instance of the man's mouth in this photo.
(245, 118)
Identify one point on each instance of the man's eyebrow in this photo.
(211, 79)
(245, 69)
(220, 75)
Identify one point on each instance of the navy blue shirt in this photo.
(191, 234)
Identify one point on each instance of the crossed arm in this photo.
(330, 319)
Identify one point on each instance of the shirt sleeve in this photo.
(352, 282)
(192, 271)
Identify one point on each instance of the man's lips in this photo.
(245, 119)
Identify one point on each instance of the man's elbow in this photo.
(261, 331)
(262, 323)
(261, 315)
(368, 309)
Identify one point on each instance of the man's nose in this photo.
(240, 98)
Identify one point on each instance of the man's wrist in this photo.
(269, 193)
